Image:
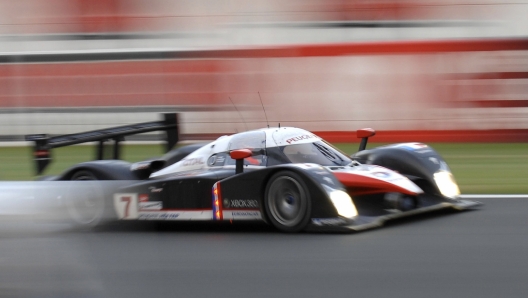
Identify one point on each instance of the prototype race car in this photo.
(285, 176)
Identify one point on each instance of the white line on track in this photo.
(497, 196)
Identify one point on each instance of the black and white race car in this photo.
(285, 176)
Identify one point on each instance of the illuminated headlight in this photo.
(343, 203)
(446, 184)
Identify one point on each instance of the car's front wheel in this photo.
(287, 202)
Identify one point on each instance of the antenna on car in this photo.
(263, 109)
(240, 114)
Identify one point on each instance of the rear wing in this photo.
(43, 144)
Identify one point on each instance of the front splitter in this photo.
(362, 223)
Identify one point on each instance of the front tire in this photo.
(287, 202)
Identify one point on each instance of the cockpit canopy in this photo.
(254, 140)
(271, 146)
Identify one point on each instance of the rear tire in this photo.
(85, 201)
(83, 175)
(287, 202)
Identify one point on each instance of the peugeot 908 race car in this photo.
(285, 176)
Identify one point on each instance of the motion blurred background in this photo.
(324, 65)
(452, 73)
(428, 70)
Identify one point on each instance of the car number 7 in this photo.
(126, 206)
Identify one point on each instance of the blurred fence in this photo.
(427, 89)
(103, 16)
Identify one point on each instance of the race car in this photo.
(285, 176)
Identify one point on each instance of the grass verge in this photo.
(478, 168)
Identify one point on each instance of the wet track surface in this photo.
(481, 253)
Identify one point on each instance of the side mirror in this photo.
(364, 134)
(239, 155)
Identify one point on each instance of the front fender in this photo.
(251, 185)
(417, 161)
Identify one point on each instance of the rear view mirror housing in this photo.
(364, 134)
(239, 155)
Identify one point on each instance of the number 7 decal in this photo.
(126, 205)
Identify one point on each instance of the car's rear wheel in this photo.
(85, 200)
(287, 202)
(83, 175)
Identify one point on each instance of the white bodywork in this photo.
(278, 137)
(274, 137)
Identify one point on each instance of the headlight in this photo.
(343, 203)
(446, 184)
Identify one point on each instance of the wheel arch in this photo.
(320, 202)
(102, 169)
(415, 165)
(252, 184)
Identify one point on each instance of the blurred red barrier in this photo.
(430, 86)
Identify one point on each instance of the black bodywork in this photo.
(193, 190)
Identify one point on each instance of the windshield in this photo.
(317, 152)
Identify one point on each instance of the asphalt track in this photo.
(481, 253)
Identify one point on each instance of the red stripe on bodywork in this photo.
(217, 202)
(361, 185)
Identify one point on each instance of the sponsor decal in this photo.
(299, 138)
(243, 204)
(242, 215)
(155, 205)
(212, 159)
(143, 198)
(159, 215)
(328, 221)
(192, 162)
(216, 160)
(245, 213)
(155, 189)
